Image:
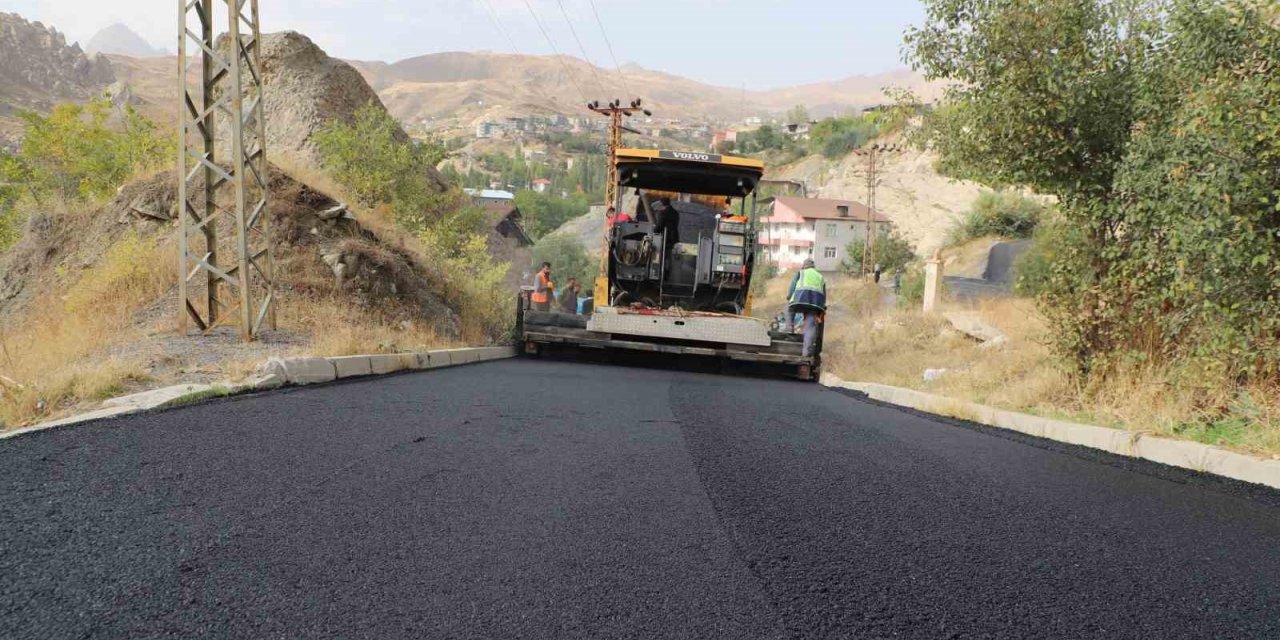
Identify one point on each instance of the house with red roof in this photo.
(797, 228)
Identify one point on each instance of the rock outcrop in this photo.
(38, 67)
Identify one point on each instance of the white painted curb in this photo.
(277, 372)
(1175, 453)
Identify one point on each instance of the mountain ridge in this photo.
(119, 39)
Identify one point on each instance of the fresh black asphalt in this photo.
(538, 499)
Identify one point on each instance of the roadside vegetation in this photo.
(1000, 214)
(71, 161)
(385, 171)
(76, 154)
(96, 282)
(1151, 286)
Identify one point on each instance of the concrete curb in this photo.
(278, 372)
(1175, 453)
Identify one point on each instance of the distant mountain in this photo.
(121, 40)
(466, 85)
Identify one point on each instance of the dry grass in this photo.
(873, 343)
(46, 351)
(338, 329)
(62, 352)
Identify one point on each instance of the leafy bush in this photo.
(1033, 271)
(1004, 214)
(912, 293)
(458, 245)
(77, 152)
(373, 159)
(890, 251)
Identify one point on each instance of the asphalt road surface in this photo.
(997, 278)
(535, 499)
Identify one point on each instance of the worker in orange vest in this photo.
(543, 289)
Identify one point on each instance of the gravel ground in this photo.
(197, 358)
(537, 499)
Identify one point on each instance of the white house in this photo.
(797, 228)
(488, 197)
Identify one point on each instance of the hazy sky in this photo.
(762, 43)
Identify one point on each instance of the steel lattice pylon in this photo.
(214, 289)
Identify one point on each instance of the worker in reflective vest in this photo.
(543, 289)
(808, 297)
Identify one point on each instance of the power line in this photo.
(587, 58)
(609, 44)
(565, 66)
(493, 17)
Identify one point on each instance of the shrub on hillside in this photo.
(545, 212)
(372, 158)
(1003, 214)
(82, 151)
(836, 137)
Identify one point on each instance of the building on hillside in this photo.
(721, 137)
(487, 197)
(486, 129)
(541, 185)
(507, 222)
(798, 130)
(796, 228)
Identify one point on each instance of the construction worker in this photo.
(544, 290)
(808, 297)
(569, 297)
(668, 224)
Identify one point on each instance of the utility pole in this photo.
(872, 154)
(239, 289)
(615, 112)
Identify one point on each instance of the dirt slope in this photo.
(923, 204)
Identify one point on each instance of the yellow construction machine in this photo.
(689, 297)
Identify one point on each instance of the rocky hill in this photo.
(467, 84)
(923, 204)
(120, 40)
(38, 69)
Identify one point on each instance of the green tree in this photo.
(545, 212)
(891, 251)
(1154, 123)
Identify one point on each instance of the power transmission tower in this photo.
(872, 154)
(213, 288)
(616, 112)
